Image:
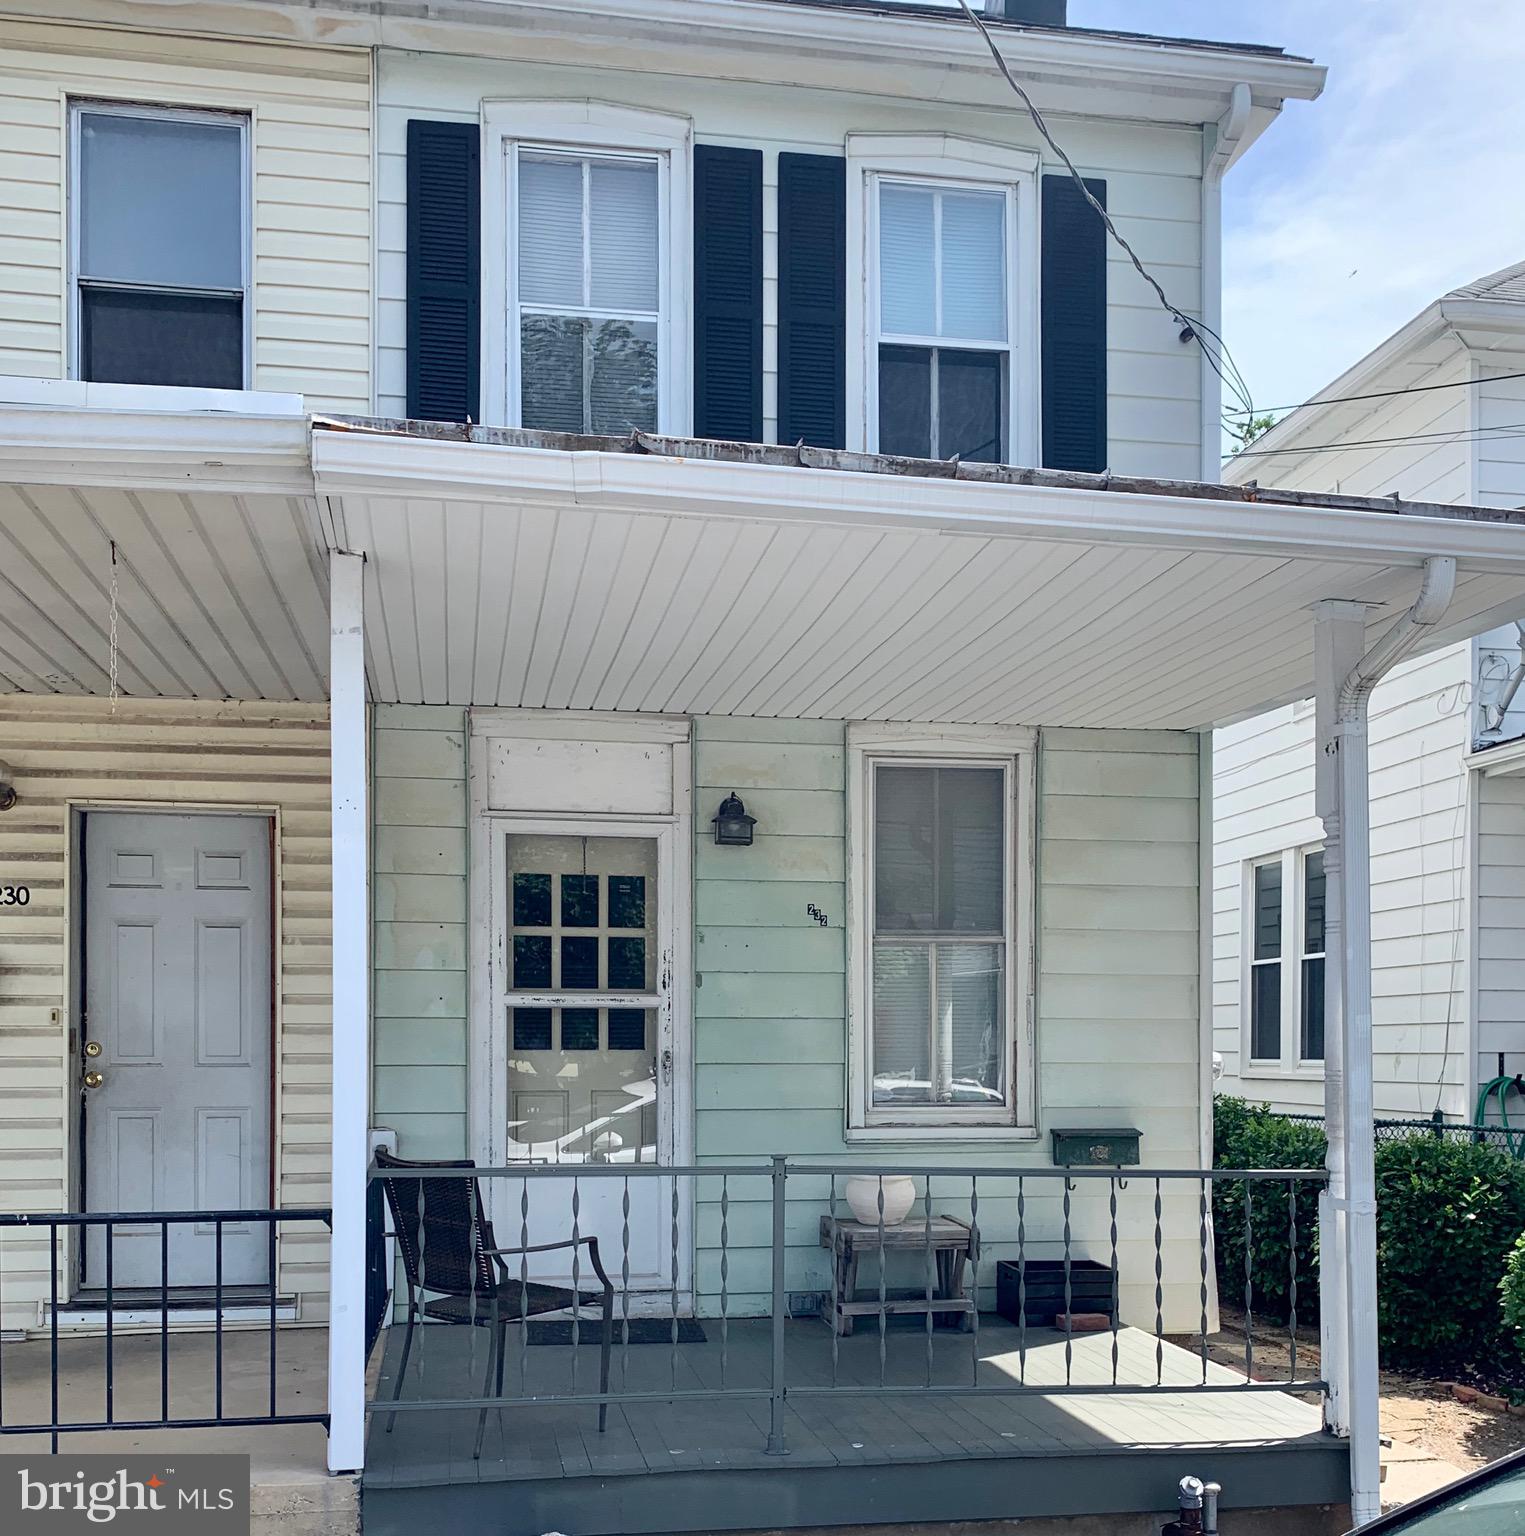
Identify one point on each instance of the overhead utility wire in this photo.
(1381, 394)
(1503, 432)
(1199, 329)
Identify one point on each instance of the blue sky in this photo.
(1405, 179)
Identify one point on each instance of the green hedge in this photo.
(1449, 1213)
(1251, 1136)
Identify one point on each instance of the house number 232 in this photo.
(14, 895)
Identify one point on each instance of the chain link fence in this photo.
(1503, 1137)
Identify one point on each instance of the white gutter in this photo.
(1342, 788)
(1217, 155)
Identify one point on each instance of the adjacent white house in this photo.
(552, 564)
(1435, 417)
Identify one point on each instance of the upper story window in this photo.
(939, 925)
(944, 337)
(1284, 946)
(588, 249)
(590, 291)
(942, 306)
(160, 246)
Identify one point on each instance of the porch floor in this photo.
(699, 1464)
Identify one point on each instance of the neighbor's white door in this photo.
(583, 1021)
(177, 998)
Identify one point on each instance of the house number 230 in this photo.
(14, 895)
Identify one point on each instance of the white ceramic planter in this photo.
(863, 1197)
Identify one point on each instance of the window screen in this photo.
(939, 940)
(589, 292)
(160, 249)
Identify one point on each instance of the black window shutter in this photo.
(728, 293)
(444, 270)
(1073, 274)
(812, 300)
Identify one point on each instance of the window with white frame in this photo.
(944, 334)
(159, 217)
(942, 307)
(939, 987)
(587, 260)
(1284, 949)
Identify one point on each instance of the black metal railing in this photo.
(1109, 1242)
(160, 1303)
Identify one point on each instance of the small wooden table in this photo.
(952, 1245)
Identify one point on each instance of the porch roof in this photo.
(520, 569)
(525, 569)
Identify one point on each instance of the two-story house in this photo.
(631, 592)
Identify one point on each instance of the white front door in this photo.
(176, 1040)
(582, 1034)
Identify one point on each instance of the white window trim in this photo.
(1016, 749)
(78, 105)
(1291, 1062)
(609, 129)
(952, 161)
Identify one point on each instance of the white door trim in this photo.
(487, 1064)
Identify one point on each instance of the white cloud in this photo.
(1404, 180)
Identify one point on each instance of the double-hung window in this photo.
(944, 342)
(1284, 947)
(587, 269)
(159, 213)
(590, 307)
(940, 988)
(942, 294)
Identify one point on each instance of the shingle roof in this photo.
(931, 10)
(1505, 287)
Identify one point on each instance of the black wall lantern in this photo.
(733, 827)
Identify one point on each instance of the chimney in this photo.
(1035, 13)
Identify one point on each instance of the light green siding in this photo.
(1117, 1003)
(420, 936)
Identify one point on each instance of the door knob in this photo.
(92, 1048)
(94, 1079)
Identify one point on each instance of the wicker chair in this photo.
(449, 1252)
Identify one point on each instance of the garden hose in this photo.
(1499, 1088)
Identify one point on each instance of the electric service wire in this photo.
(1505, 431)
(1223, 363)
(1380, 394)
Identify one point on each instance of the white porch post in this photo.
(1345, 679)
(352, 1011)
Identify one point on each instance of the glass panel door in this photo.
(583, 1000)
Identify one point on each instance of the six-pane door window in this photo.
(1285, 938)
(160, 246)
(940, 913)
(589, 291)
(943, 345)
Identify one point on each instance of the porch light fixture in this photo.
(733, 827)
(8, 789)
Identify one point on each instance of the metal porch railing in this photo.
(161, 1304)
(1149, 1231)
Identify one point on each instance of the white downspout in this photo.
(1346, 678)
(1220, 140)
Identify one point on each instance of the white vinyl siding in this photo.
(1263, 803)
(271, 757)
(1153, 176)
(310, 331)
(1500, 987)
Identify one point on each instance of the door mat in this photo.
(643, 1330)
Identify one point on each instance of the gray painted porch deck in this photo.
(702, 1465)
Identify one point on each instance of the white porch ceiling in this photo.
(531, 578)
(220, 595)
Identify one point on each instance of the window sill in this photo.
(949, 1135)
(1309, 1071)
